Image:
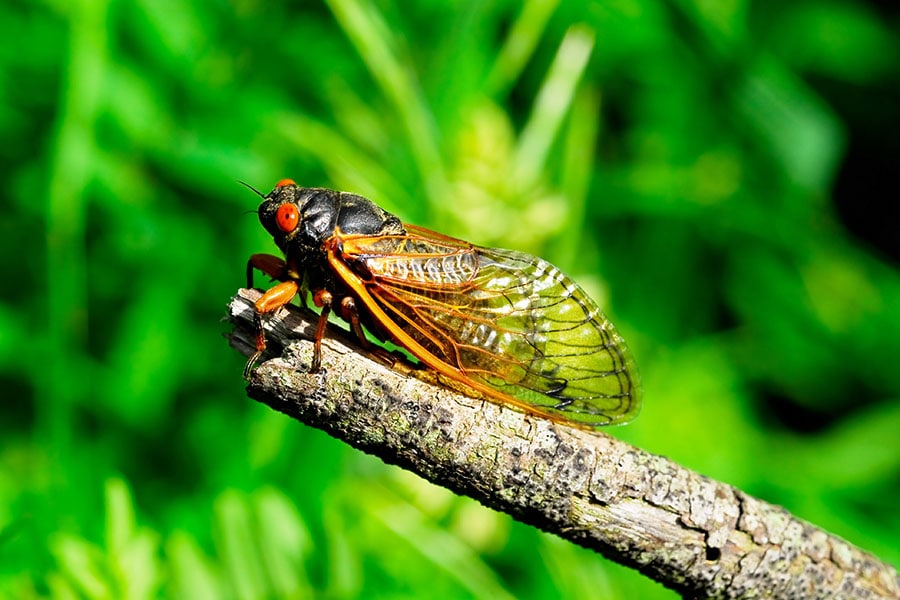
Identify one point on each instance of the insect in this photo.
(509, 325)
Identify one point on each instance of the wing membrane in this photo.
(507, 323)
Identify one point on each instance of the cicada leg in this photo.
(351, 315)
(268, 303)
(277, 269)
(322, 299)
(271, 265)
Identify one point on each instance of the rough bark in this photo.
(700, 537)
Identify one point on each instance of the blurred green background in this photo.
(718, 174)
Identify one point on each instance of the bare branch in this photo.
(700, 537)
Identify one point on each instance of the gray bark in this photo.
(700, 537)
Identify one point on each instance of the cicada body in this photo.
(509, 325)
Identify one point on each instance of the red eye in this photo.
(287, 217)
(285, 182)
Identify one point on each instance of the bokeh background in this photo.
(720, 175)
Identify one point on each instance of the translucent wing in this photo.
(506, 323)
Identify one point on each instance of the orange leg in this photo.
(275, 268)
(272, 266)
(350, 314)
(268, 303)
(322, 299)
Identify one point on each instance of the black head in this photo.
(292, 214)
(302, 218)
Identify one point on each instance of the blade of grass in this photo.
(519, 45)
(552, 103)
(348, 167)
(66, 277)
(377, 47)
(443, 550)
(237, 546)
(576, 169)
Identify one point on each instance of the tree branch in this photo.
(697, 536)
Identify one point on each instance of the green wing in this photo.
(508, 320)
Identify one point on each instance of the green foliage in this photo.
(686, 161)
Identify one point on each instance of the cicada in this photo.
(508, 325)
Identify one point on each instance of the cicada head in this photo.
(301, 219)
(296, 216)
